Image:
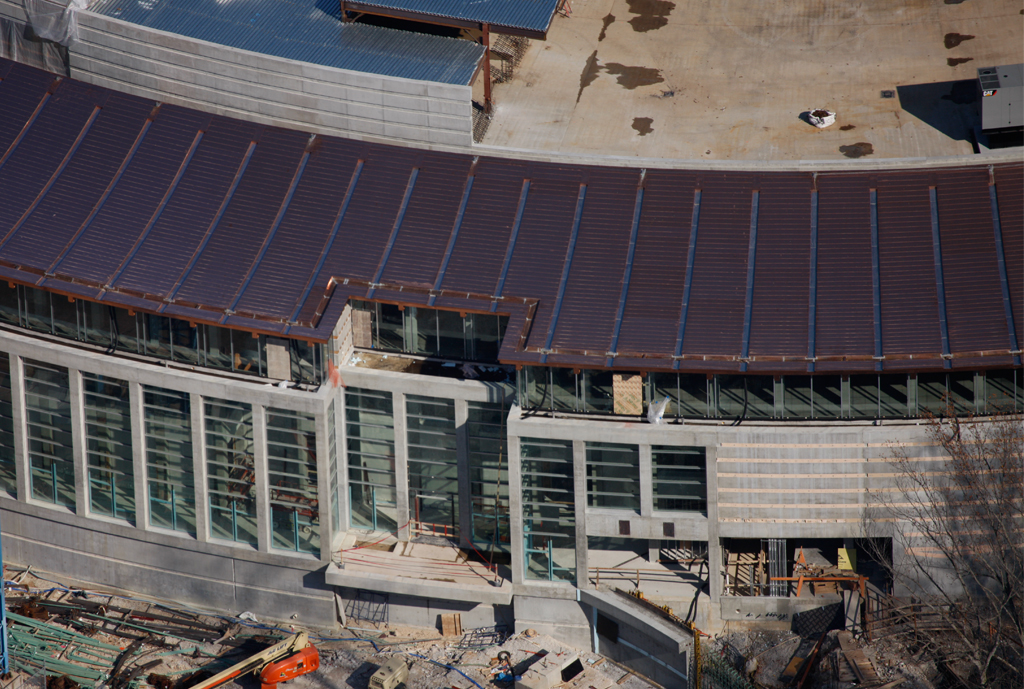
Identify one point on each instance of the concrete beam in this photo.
(422, 588)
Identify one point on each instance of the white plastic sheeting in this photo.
(55, 21)
(21, 46)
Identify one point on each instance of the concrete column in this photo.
(515, 509)
(579, 480)
(341, 430)
(199, 468)
(77, 399)
(401, 467)
(714, 541)
(323, 487)
(135, 402)
(260, 467)
(646, 481)
(462, 454)
(20, 416)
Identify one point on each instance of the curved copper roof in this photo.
(161, 208)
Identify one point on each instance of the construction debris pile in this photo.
(79, 639)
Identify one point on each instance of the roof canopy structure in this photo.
(530, 18)
(116, 199)
(307, 31)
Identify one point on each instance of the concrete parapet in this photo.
(265, 89)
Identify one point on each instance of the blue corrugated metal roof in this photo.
(531, 15)
(308, 31)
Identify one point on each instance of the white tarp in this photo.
(55, 21)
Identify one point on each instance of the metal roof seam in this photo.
(116, 275)
(1004, 282)
(876, 281)
(31, 121)
(53, 178)
(748, 306)
(274, 226)
(940, 287)
(630, 255)
(691, 257)
(410, 185)
(106, 194)
(213, 225)
(512, 240)
(454, 236)
(812, 297)
(566, 267)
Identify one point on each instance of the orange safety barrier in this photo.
(305, 661)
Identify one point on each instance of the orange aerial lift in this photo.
(281, 662)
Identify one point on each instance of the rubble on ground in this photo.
(78, 639)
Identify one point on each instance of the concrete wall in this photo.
(89, 551)
(217, 79)
(425, 612)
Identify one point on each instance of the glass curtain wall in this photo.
(171, 477)
(370, 444)
(549, 511)
(152, 335)
(679, 481)
(108, 446)
(51, 459)
(433, 465)
(231, 470)
(8, 473)
(613, 476)
(860, 396)
(488, 474)
(332, 464)
(294, 505)
(434, 332)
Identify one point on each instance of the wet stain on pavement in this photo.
(589, 74)
(605, 23)
(650, 14)
(633, 77)
(847, 127)
(952, 40)
(954, 61)
(857, 150)
(642, 125)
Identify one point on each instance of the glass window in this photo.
(451, 331)
(157, 341)
(108, 446)
(565, 389)
(126, 329)
(1004, 391)
(65, 317)
(8, 473)
(662, 385)
(488, 474)
(185, 345)
(613, 476)
(961, 391)
(96, 319)
(679, 481)
(370, 438)
(421, 330)
(864, 403)
(549, 513)
(433, 466)
(537, 393)
(828, 396)
(10, 301)
(247, 353)
(797, 397)
(294, 507)
(36, 314)
(231, 470)
(218, 348)
(598, 391)
(931, 393)
(892, 395)
(390, 328)
(693, 395)
(307, 362)
(751, 397)
(486, 334)
(48, 410)
(168, 429)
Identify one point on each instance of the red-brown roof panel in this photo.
(974, 304)
(779, 322)
(910, 305)
(714, 322)
(651, 319)
(1010, 194)
(587, 318)
(21, 91)
(427, 226)
(845, 320)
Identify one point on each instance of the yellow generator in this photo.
(390, 675)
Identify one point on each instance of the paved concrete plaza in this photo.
(728, 80)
